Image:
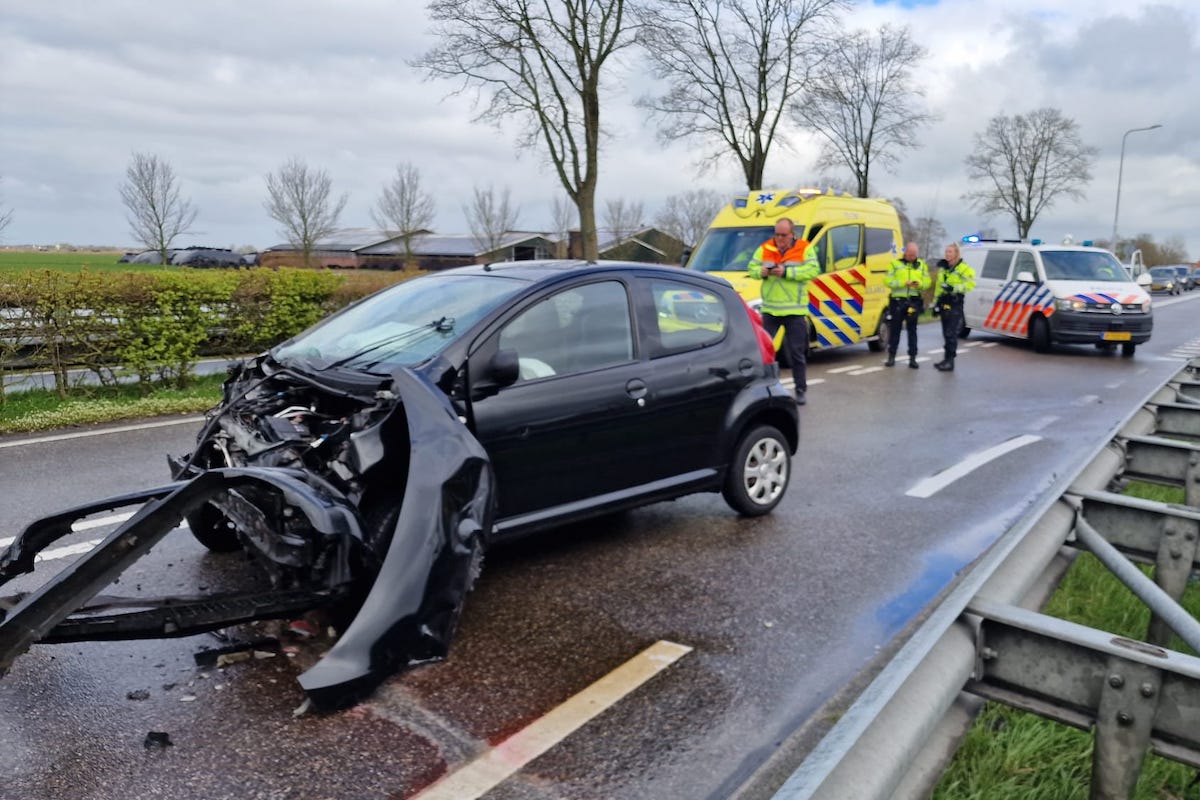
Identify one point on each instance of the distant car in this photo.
(1165, 279)
(1185, 277)
(1195, 275)
(367, 462)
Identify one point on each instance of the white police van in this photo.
(1055, 294)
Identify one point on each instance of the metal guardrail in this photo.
(986, 641)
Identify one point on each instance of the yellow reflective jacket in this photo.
(786, 295)
(902, 272)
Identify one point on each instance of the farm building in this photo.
(372, 248)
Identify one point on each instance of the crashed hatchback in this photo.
(366, 463)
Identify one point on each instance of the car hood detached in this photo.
(408, 563)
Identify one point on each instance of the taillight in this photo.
(766, 346)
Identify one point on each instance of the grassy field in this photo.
(22, 260)
(1013, 755)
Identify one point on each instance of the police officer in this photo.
(785, 265)
(955, 279)
(906, 278)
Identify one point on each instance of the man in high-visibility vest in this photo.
(785, 265)
(906, 278)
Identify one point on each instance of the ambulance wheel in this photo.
(1128, 349)
(758, 472)
(877, 344)
(1039, 334)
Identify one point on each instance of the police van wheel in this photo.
(876, 345)
(1039, 334)
(1128, 349)
(758, 472)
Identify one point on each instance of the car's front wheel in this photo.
(759, 472)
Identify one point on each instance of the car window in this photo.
(1026, 263)
(996, 264)
(583, 328)
(688, 317)
(839, 248)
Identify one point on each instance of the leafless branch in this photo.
(299, 199)
(687, 216)
(403, 206)
(490, 217)
(157, 213)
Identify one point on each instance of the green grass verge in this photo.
(25, 260)
(40, 410)
(1014, 755)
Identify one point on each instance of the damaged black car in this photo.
(367, 463)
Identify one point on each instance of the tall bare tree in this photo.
(490, 217)
(300, 200)
(930, 236)
(540, 61)
(1026, 162)
(732, 67)
(623, 218)
(563, 216)
(863, 102)
(687, 216)
(156, 211)
(404, 207)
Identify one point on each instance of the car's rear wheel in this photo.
(1128, 349)
(759, 472)
(1039, 334)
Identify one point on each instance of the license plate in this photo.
(1118, 336)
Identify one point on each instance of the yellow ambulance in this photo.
(856, 239)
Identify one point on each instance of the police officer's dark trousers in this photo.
(951, 309)
(903, 313)
(795, 343)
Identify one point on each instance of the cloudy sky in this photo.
(226, 91)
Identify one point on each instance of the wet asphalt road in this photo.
(781, 612)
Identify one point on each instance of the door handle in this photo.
(636, 388)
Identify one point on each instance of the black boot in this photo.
(945, 366)
(912, 363)
(891, 362)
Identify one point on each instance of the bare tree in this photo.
(157, 214)
(542, 62)
(490, 217)
(732, 68)
(930, 236)
(864, 103)
(1026, 162)
(404, 207)
(563, 218)
(299, 199)
(622, 218)
(687, 216)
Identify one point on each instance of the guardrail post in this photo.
(1128, 704)
(1172, 569)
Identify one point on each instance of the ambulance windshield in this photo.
(729, 249)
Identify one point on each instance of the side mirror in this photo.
(1025, 276)
(684, 256)
(1144, 279)
(504, 368)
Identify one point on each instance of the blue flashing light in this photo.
(788, 202)
(1035, 241)
(739, 202)
(1087, 242)
(972, 238)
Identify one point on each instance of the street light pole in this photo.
(1120, 172)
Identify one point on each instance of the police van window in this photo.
(996, 264)
(879, 241)
(1026, 263)
(688, 317)
(843, 248)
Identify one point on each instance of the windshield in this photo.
(729, 249)
(400, 326)
(1082, 265)
(1162, 272)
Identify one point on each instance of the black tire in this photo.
(964, 332)
(877, 344)
(759, 472)
(1039, 334)
(1128, 349)
(213, 529)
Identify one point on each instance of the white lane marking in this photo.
(495, 765)
(1043, 422)
(791, 383)
(66, 551)
(935, 483)
(1087, 399)
(988, 344)
(84, 434)
(836, 370)
(87, 525)
(1115, 385)
(971, 344)
(866, 370)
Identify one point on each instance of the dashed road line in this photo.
(497, 764)
(1086, 400)
(935, 483)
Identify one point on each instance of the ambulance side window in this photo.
(880, 241)
(845, 248)
(996, 265)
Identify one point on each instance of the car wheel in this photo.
(1039, 334)
(758, 473)
(881, 334)
(213, 529)
(1128, 349)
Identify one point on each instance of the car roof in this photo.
(551, 270)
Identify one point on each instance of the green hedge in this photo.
(158, 324)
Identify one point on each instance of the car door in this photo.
(982, 306)
(572, 427)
